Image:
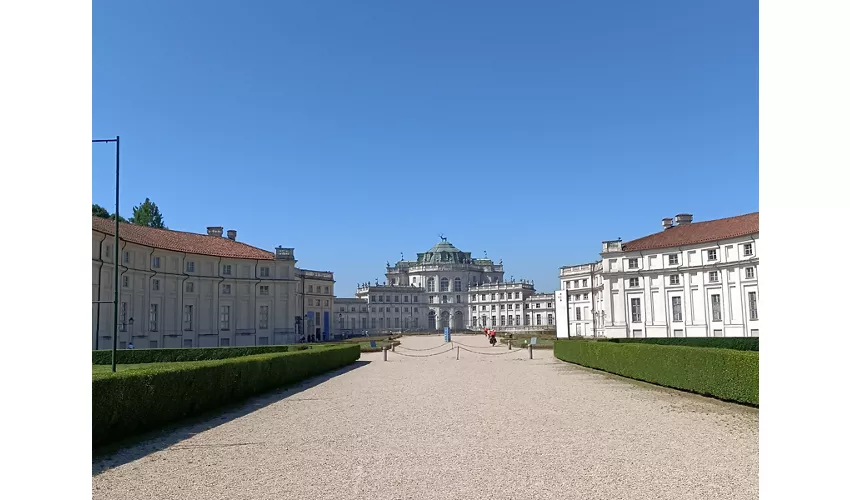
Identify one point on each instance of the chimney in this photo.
(231, 234)
(667, 222)
(215, 230)
(684, 219)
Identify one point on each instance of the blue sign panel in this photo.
(326, 335)
(447, 334)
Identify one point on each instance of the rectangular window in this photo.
(225, 289)
(713, 277)
(634, 282)
(457, 299)
(125, 281)
(190, 287)
(638, 334)
(583, 283)
(396, 321)
(718, 333)
(502, 296)
(264, 272)
(123, 324)
(673, 259)
(585, 297)
(154, 344)
(716, 312)
(188, 317)
(326, 290)
(674, 280)
(636, 310)
(190, 267)
(107, 252)
(475, 321)
(473, 308)
(748, 249)
(537, 305)
(502, 320)
(224, 342)
(430, 299)
(126, 257)
(677, 308)
(226, 269)
(510, 320)
(528, 319)
(310, 302)
(510, 295)
(327, 303)
(262, 341)
(416, 309)
(754, 309)
(539, 320)
(633, 263)
(712, 254)
(155, 263)
(502, 307)
(155, 285)
(568, 284)
(224, 318)
(578, 313)
(754, 333)
(153, 319)
(445, 300)
(264, 317)
(550, 320)
(415, 298)
(493, 320)
(374, 322)
(187, 343)
(678, 333)
(405, 298)
(750, 273)
(548, 305)
(511, 306)
(264, 289)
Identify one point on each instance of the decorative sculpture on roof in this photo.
(443, 238)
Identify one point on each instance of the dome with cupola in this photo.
(444, 253)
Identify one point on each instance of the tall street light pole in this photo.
(117, 142)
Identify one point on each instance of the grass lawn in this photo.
(124, 368)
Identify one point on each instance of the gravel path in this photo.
(482, 427)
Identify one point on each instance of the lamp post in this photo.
(117, 142)
(130, 322)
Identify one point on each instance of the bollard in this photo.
(509, 345)
(530, 351)
(385, 353)
(458, 353)
(393, 347)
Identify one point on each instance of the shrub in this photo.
(736, 343)
(125, 403)
(723, 373)
(137, 356)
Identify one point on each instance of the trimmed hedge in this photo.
(138, 356)
(736, 343)
(133, 401)
(727, 374)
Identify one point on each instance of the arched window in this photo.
(430, 284)
(457, 285)
(444, 284)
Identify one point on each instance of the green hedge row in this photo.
(125, 403)
(722, 373)
(736, 343)
(137, 356)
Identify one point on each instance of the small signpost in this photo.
(533, 340)
(372, 344)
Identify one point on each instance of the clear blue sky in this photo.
(354, 131)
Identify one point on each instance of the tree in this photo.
(147, 214)
(99, 211)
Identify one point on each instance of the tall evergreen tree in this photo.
(147, 214)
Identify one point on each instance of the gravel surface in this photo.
(481, 427)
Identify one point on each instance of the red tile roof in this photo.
(698, 232)
(179, 241)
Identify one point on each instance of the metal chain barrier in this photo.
(420, 350)
(422, 355)
(494, 353)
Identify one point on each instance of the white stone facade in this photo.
(695, 281)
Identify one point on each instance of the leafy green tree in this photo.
(147, 214)
(99, 211)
